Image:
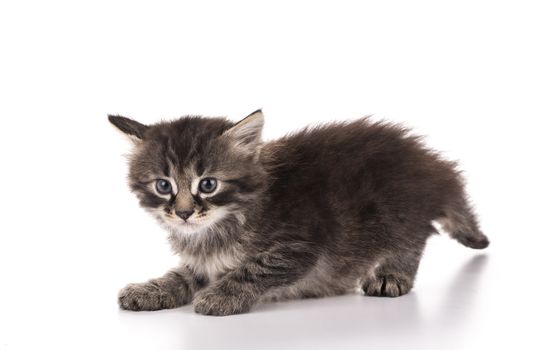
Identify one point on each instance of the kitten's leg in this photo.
(172, 290)
(392, 276)
(240, 289)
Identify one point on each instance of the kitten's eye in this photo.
(208, 185)
(163, 186)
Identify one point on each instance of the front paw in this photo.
(214, 302)
(145, 297)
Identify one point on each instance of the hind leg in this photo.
(392, 276)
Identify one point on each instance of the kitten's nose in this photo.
(184, 214)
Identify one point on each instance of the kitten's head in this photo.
(195, 173)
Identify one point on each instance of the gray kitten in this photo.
(317, 213)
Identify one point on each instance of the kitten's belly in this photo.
(321, 281)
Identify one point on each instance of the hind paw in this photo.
(387, 286)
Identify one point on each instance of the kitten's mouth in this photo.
(190, 225)
(187, 223)
(181, 222)
(193, 223)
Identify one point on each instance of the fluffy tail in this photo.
(461, 223)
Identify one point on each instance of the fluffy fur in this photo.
(319, 212)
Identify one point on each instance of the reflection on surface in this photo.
(322, 323)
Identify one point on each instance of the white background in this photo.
(471, 75)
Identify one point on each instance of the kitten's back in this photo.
(359, 171)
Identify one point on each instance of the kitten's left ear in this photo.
(135, 130)
(248, 132)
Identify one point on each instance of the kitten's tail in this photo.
(461, 223)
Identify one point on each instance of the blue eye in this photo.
(208, 185)
(163, 186)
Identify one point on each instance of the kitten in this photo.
(316, 213)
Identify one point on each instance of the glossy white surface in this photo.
(472, 75)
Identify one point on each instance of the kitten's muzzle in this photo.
(184, 214)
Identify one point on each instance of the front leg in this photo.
(239, 290)
(174, 289)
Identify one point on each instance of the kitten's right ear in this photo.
(134, 130)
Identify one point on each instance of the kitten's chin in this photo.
(187, 228)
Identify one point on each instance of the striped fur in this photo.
(323, 211)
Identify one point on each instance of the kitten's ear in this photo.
(134, 130)
(248, 132)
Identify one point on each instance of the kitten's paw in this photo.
(214, 302)
(145, 297)
(387, 286)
